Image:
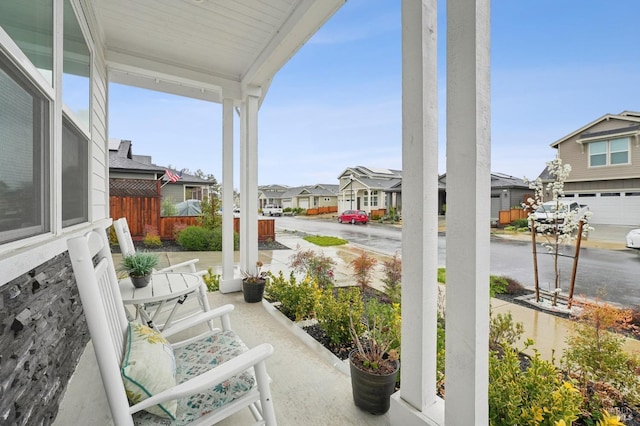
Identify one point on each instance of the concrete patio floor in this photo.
(310, 386)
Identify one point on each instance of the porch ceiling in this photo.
(205, 49)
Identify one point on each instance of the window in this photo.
(24, 163)
(75, 123)
(374, 198)
(75, 69)
(608, 153)
(30, 26)
(75, 158)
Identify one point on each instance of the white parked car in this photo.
(555, 212)
(633, 239)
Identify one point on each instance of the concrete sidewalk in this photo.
(609, 237)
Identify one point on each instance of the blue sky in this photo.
(556, 66)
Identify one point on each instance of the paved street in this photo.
(606, 269)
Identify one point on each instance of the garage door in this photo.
(303, 203)
(613, 209)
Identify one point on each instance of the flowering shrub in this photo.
(318, 266)
(151, 237)
(554, 236)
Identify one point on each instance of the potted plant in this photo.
(253, 283)
(139, 266)
(374, 363)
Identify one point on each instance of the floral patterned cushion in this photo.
(148, 368)
(197, 358)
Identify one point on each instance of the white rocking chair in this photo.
(216, 375)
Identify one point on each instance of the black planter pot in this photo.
(253, 291)
(372, 392)
(139, 282)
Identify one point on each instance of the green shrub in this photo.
(298, 300)
(520, 223)
(497, 285)
(535, 395)
(209, 218)
(333, 313)
(211, 280)
(197, 238)
(388, 319)
(178, 227)
(502, 330)
(605, 374)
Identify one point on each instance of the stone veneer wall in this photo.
(43, 332)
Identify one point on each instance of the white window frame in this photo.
(52, 92)
(608, 152)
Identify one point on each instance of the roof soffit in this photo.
(209, 50)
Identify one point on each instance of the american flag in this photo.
(172, 177)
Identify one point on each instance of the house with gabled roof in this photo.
(126, 167)
(311, 196)
(605, 167)
(271, 194)
(506, 192)
(368, 188)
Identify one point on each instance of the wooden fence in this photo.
(322, 210)
(378, 213)
(508, 216)
(139, 201)
(266, 229)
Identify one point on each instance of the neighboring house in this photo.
(605, 167)
(124, 165)
(311, 196)
(506, 192)
(369, 188)
(271, 194)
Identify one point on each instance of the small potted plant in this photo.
(253, 283)
(374, 363)
(139, 266)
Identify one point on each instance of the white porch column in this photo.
(468, 212)
(417, 403)
(227, 284)
(249, 182)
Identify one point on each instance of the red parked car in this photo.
(353, 216)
